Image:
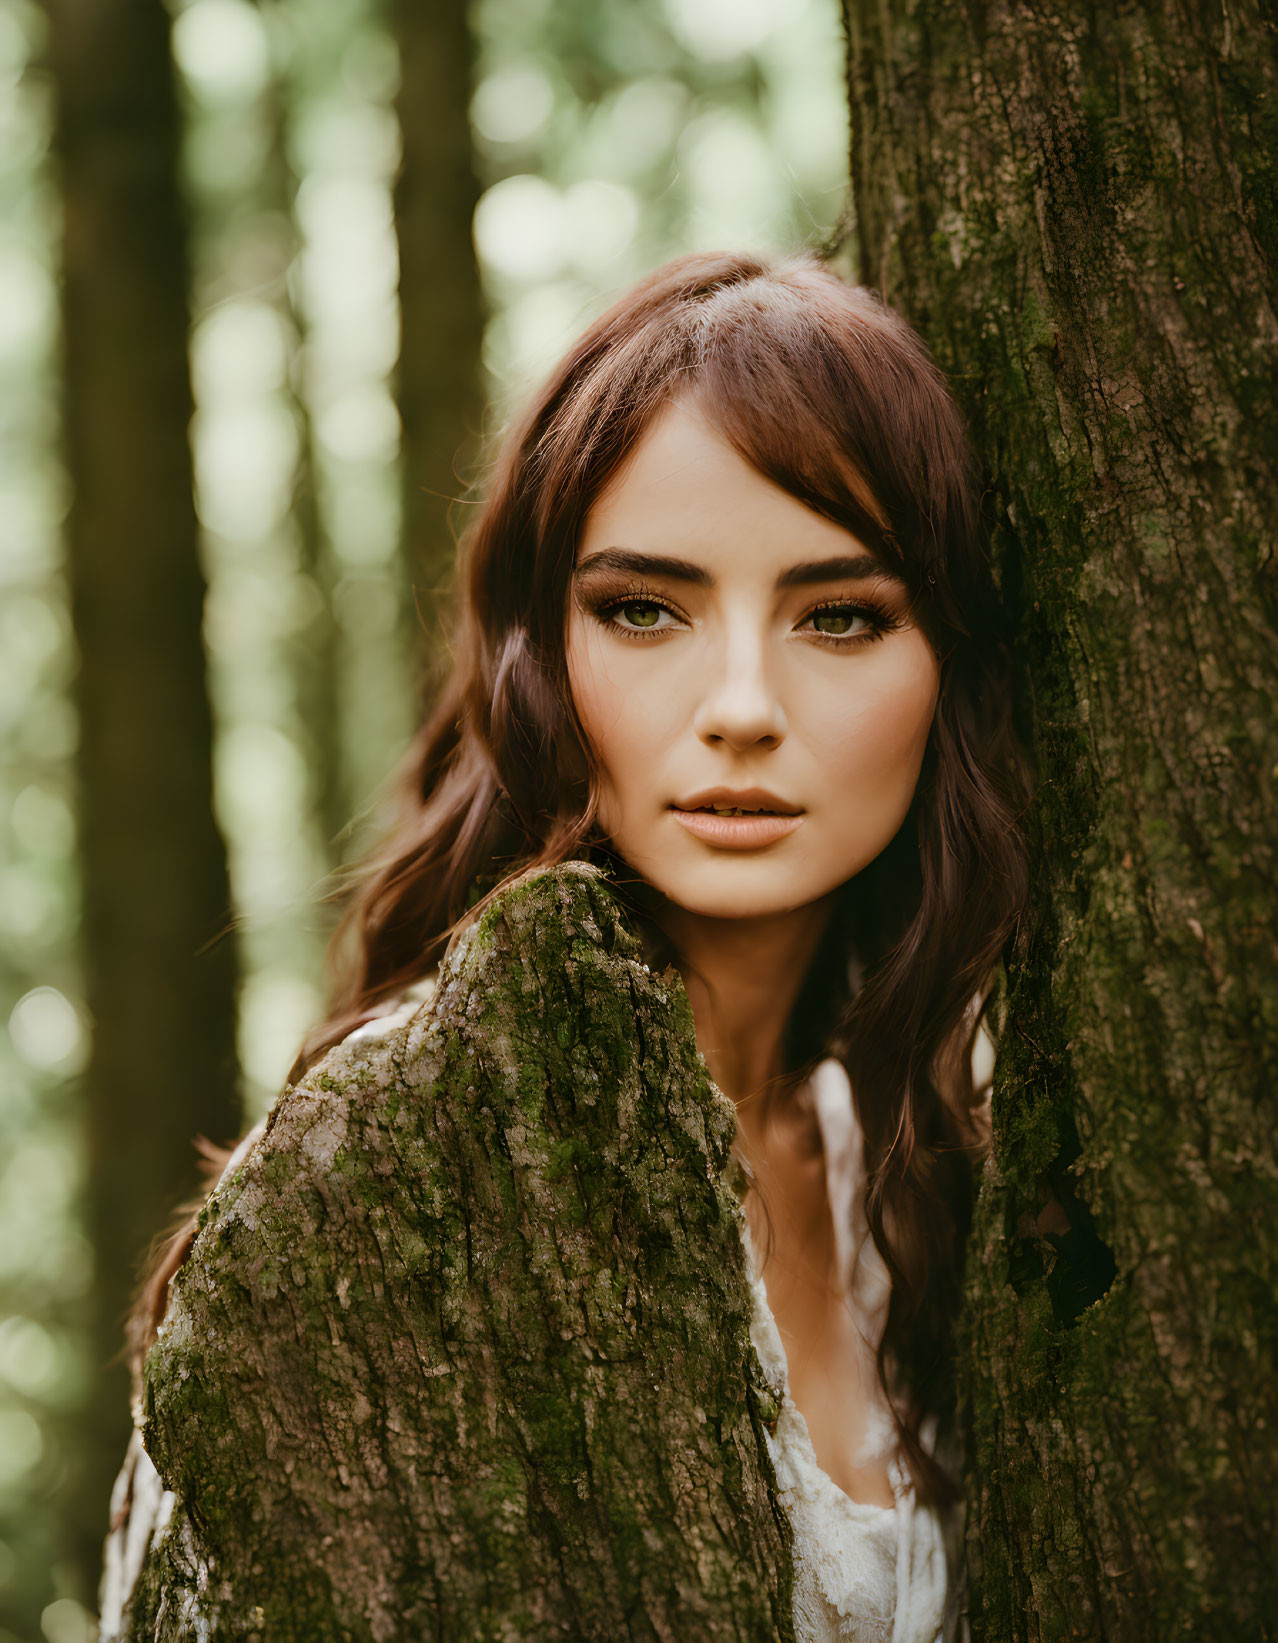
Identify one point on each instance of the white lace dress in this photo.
(862, 1573)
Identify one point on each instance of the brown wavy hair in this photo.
(833, 397)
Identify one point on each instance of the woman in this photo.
(725, 623)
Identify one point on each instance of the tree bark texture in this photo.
(1076, 207)
(159, 984)
(441, 307)
(462, 1350)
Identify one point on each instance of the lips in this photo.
(746, 800)
(737, 818)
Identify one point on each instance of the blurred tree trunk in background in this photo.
(441, 307)
(1076, 207)
(314, 652)
(158, 980)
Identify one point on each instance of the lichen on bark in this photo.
(462, 1349)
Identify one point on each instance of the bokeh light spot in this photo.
(42, 822)
(721, 29)
(519, 228)
(512, 105)
(28, 1356)
(601, 219)
(66, 1621)
(222, 50)
(46, 1031)
(21, 1444)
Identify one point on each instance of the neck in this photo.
(743, 977)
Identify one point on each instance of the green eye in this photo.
(836, 622)
(647, 617)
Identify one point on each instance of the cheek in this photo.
(615, 716)
(588, 685)
(875, 739)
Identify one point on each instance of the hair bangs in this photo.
(828, 394)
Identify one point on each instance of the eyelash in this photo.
(881, 619)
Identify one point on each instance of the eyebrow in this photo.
(683, 570)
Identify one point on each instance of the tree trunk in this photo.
(441, 310)
(462, 1350)
(1075, 205)
(159, 982)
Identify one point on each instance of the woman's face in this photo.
(722, 636)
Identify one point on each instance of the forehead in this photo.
(684, 491)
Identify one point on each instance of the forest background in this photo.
(269, 272)
(276, 164)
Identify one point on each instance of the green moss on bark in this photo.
(462, 1351)
(1067, 201)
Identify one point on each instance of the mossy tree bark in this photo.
(159, 984)
(462, 1349)
(1076, 207)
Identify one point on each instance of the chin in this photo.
(740, 894)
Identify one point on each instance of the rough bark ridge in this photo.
(462, 1350)
(1076, 206)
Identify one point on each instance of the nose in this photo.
(740, 706)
